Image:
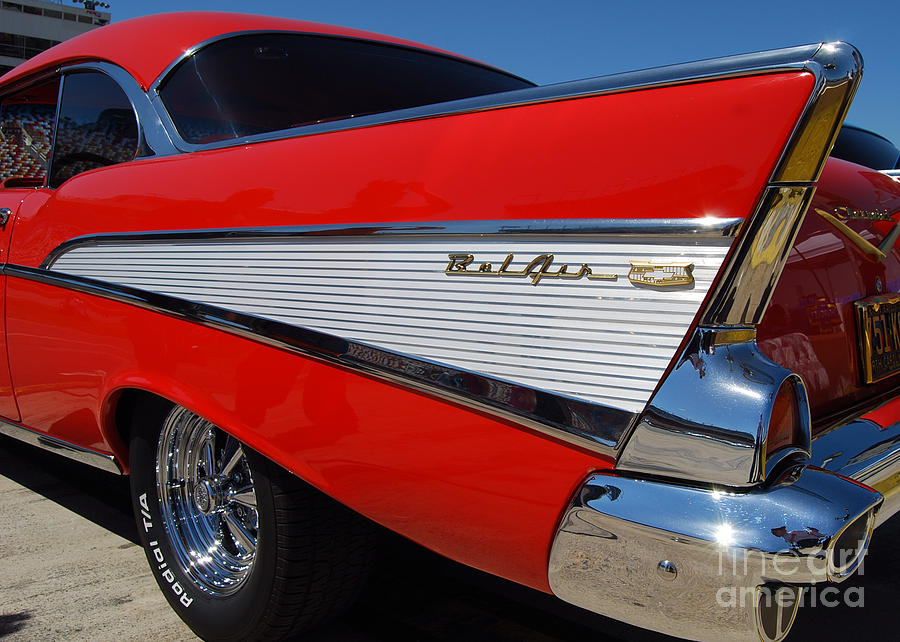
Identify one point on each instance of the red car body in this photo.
(484, 477)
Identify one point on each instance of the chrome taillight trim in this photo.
(708, 421)
(685, 445)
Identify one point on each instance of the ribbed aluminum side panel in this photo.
(602, 341)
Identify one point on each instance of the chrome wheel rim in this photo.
(208, 502)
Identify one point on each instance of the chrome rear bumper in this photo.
(866, 450)
(697, 563)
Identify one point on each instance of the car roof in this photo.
(147, 46)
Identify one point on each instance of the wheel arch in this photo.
(123, 399)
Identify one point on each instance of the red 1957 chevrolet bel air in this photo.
(632, 340)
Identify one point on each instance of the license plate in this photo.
(878, 333)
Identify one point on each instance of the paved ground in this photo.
(70, 569)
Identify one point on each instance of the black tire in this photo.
(311, 557)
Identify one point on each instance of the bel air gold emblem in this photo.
(539, 268)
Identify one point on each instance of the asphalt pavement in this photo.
(71, 569)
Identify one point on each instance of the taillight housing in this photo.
(788, 432)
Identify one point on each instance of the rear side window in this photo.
(97, 126)
(258, 83)
(26, 133)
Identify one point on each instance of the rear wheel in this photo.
(241, 548)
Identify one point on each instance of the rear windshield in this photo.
(865, 148)
(259, 83)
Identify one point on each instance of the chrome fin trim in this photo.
(88, 456)
(740, 299)
(745, 288)
(743, 293)
(586, 425)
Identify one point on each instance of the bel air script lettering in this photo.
(537, 269)
(641, 273)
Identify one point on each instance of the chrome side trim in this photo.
(590, 426)
(619, 531)
(707, 422)
(687, 231)
(80, 454)
(802, 58)
(541, 322)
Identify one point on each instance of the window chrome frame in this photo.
(799, 58)
(295, 132)
(153, 137)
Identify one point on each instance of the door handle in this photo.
(5, 213)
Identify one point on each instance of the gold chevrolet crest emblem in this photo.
(661, 275)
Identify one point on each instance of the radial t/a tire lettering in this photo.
(241, 548)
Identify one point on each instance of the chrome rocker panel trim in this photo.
(80, 454)
(672, 558)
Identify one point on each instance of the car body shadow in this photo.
(415, 594)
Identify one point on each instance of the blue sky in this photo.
(552, 42)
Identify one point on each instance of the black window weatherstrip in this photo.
(588, 426)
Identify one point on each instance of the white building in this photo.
(28, 27)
